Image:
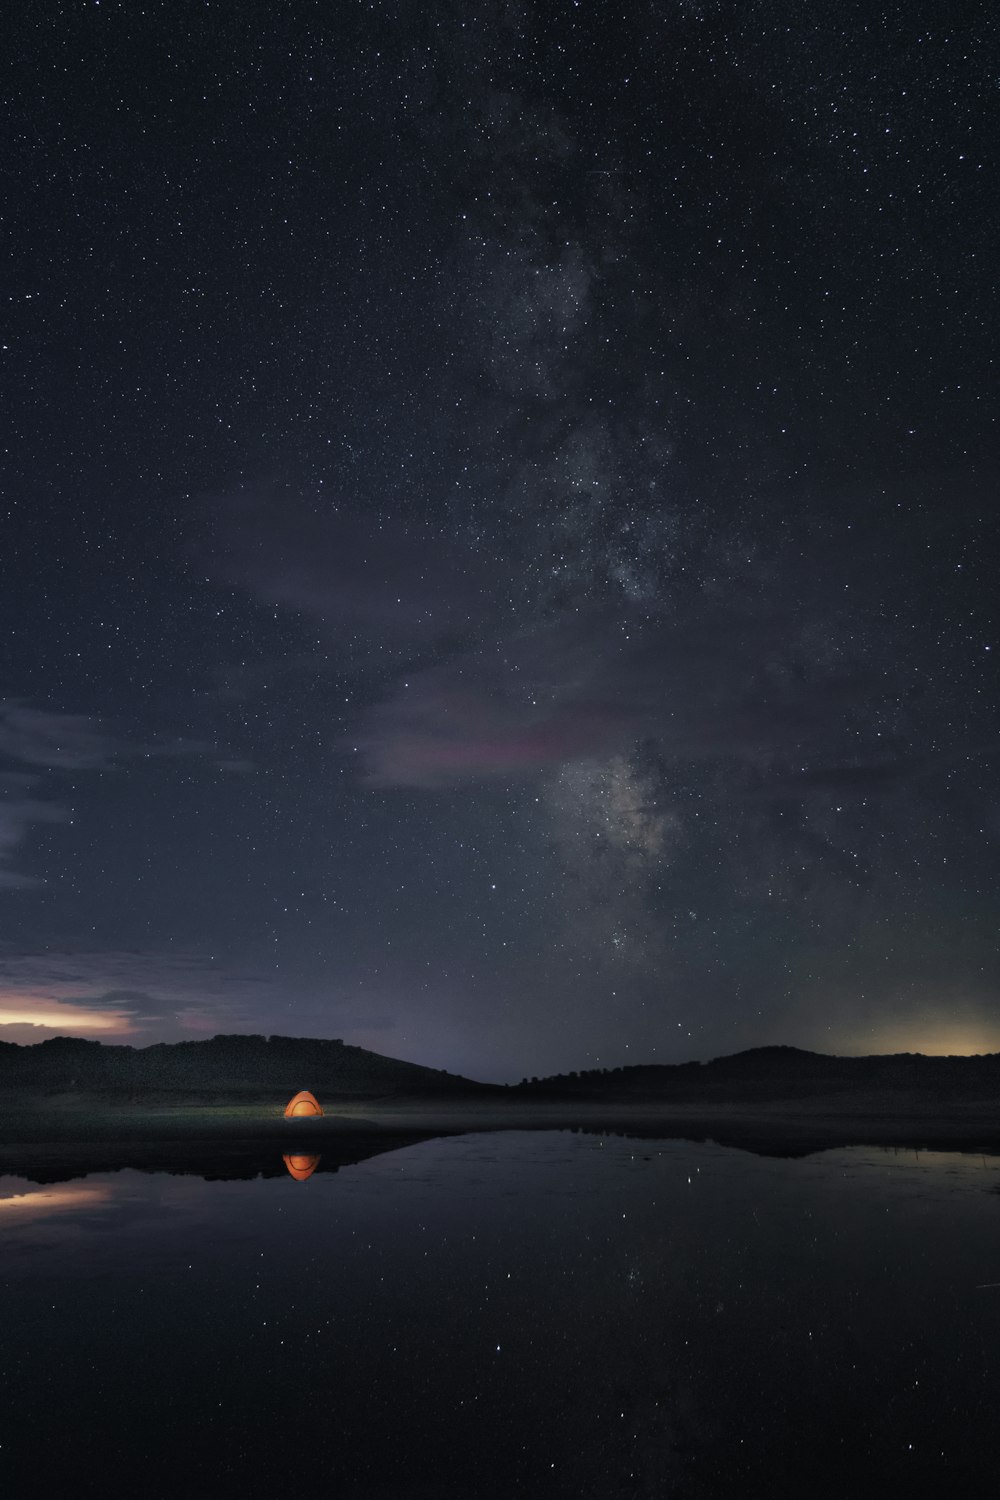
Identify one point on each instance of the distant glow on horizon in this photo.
(934, 1036)
(55, 1015)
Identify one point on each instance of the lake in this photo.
(537, 1313)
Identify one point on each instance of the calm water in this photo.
(550, 1314)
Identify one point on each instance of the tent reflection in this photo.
(301, 1167)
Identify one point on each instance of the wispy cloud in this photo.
(121, 996)
(19, 813)
(703, 687)
(57, 741)
(377, 586)
(54, 745)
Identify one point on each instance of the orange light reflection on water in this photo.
(54, 1200)
(301, 1167)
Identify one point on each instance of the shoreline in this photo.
(131, 1134)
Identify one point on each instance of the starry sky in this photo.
(499, 528)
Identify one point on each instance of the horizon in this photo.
(525, 1076)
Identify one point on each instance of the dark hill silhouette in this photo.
(765, 1074)
(234, 1069)
(224, 1068)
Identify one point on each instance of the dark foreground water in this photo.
(550, 1314)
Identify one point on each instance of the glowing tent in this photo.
(301, 1167)
(303, 1103)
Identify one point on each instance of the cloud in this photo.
(119, 996)
(58, 741)
(34, 1017)
(147, 996)
(373, 583)
(40, 737)
(63, 744)
(509, 708)
(19, 812)
(704, 685)
(53, 742)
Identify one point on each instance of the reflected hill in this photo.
(792, 1141)
(219, 1160)
(212, 1160)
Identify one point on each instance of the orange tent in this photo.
(303, 1103)
(301, 1167)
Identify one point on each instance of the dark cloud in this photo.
(168, 994)
(702, 685)
(57, 741)
(19, 813)
(509, 707)
(79, 742)
(63, 745)
(374, 583)
(137, 1005)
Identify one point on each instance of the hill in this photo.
(235, 1070)
(764, 1075)
(238, 1068)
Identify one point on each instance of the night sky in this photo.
(499, 537)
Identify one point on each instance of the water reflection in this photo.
(536, 1314)
(38, 1203)
(215, 1160)
(301, 1167)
